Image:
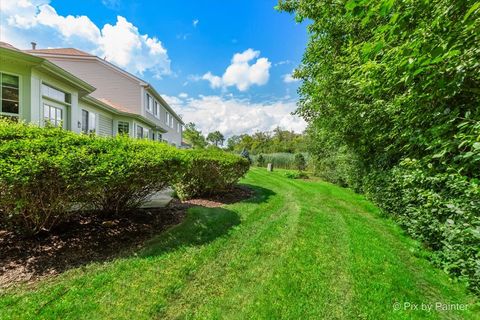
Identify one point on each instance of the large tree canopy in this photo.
(393, 79)
(391, 93)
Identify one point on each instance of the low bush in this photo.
(121, 173)
(209, 172)
(440, 209)
(296, 175)
(39, 175)
(300, 162)
(46, 174)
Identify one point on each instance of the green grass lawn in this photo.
(298, 250)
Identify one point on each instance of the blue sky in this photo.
(185, 49)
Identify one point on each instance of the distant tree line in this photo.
(275, 141)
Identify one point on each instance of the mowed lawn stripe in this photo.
(298, 249)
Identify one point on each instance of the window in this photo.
(52, 115)
(171, 121)
(89, 121)
(179, 127)
(167, 117)
(139, 132)
(56, 94)
(123, 127)
(149, 103)
(156, 109)
(9, 94)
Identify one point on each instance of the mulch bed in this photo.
(85, 239)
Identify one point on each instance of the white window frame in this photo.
(90, 122)
(149, 104)
(53, 120)
(121, 122)
(156, 109)
(48, 92)
(8, 114)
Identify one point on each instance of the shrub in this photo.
(440, 209)
(300, 163)
(47, 173)
(209, 172)
(296, 175)
(122, 172)
(39, 175)
(245, 154)
(260, 160)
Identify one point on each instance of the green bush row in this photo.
(209, 171)
(46, 174)
(440, 209)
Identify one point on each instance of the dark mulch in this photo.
(86, 239)
(238, 194)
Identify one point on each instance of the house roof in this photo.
(7, 46)
(114, 105)
(40, 63)
(62, 51)
(74, 53)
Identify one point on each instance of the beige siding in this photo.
(110, 84)
(105, 126)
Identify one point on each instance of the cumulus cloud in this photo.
(195, 22)
(233, 116)
(240, 73)
(121, 43)
(288, 78)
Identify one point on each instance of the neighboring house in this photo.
(83, 93)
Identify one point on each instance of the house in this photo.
(83, 93)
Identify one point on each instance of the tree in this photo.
(300, 162)
(193, 136)
(245, 154)
(260, 160)
(390, 94)
(268, 142)
(216, 138)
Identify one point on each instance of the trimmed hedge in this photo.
(46, 174)
(208, 172)
(440, 209)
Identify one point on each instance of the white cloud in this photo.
(288, 78)
(111, 4)
(241, 73)
(195, 22)
(183, 95)
(279, 63)
(233, 116)
(121, 43)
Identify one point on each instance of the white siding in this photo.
(105, 126)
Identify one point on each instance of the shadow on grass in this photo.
(261, 194)
(202, 225)
(88, 239)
